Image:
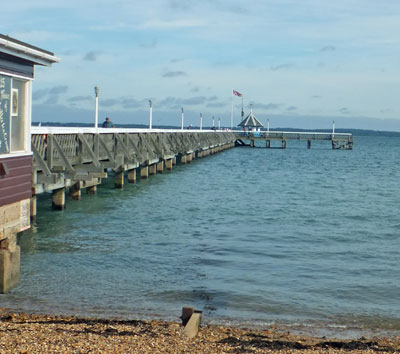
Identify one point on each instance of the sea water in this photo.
(255, 236)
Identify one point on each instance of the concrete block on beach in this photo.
(192, 327)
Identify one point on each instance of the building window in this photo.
(18, 115)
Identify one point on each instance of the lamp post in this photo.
(219, 123)
(333, 129)
(96, 109)
(151, 114)
(201, 121)
(213, 122)
(182, 119)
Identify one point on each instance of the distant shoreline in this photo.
(354, 131)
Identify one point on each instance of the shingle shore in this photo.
(26, 333)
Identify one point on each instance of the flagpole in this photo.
(231, 109)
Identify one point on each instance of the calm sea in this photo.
(304, 238)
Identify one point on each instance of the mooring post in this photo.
(75, 191)
(10, 255)
(132, 176)
(58, 199)
(183, 159)
(268, 144)
(309, 144)
(252, 143)
(174, 161)
(283, 144)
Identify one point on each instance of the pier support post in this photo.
(199, 154)
(189, 157)
(58, 199)
(132, 176)
(144, 172)
(309, 144)
(268, 144)
(168, 164)
(252, 143)
(119, 180)
(283, 144)
(160, 167)
(183, 159)
(33, 206)
(75, 191)
(92, 190)
(153, 169)
(174, 161)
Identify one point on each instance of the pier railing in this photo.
(64, 156)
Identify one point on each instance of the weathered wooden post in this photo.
(92, 190)
(132, 176)
(152, 169)
(309, 144)
(75, 191)
(252, 143)
(119, 180)
(160, 167)
(268, 144)
(58, 199)
(283, 144)
(168, 164)
(144, 172)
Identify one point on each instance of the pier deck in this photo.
(338, 140)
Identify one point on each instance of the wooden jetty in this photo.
(79, 158)
(338, 140)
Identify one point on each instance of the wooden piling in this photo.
(309, 144)
(33, 207)
(283, 144)
(119, 180)
(144, 172)
(268, 144)
(152, 169)
(75, 191)
(92, 190)
(160, 167)
(132, 176)
(58, 199)
(168, 164)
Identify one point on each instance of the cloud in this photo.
(56, 90)
(149, 45)
(193, 101)
(316, 96)
(109, 102)
(281, 66)
(216, 104)
(344, 110)
(174, 74)
(212, 98)
(291, 108)
(39, 94)
(92, 55)
(128, 103)
(328, 48)
(80, 98)
(268, 106)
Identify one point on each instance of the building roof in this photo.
(26, 51)
(250, 121)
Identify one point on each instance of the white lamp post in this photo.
(219, 123)
(213, 122)
(96, 109)
(182, 119)
(151, 114)
(201, 121)
(333, 129)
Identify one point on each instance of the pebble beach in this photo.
(32, 333)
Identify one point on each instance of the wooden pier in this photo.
(338, 140)
(77, 159)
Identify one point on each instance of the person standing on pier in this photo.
(108, 124)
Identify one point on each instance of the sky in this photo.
(299, 63)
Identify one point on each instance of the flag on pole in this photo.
(237, 93)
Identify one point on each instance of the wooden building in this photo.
(17, 63)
